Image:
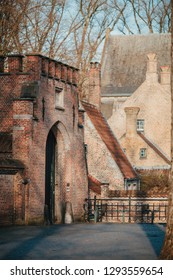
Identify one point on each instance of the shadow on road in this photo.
(82, 241)
(29, 237)
(155, 234)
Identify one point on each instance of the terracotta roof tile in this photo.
(154, 147)
(110, 140)
(94, 184)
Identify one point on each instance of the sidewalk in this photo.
(99, 241)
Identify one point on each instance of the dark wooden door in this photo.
(50, 176)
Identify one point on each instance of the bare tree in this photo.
(93, 18)
(167, 250)
(11, 16)
(146, 16)
(73, 30)
(41, 26)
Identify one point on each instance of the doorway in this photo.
(50, 177)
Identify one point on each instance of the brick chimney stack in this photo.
(152, 75)
(131, 118)
(95, 84)
(165, 76)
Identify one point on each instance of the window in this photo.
(59, 98)
(140, 125)
(143, 153)
(131, 185)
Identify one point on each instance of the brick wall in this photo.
(6, 199)
(30, 112)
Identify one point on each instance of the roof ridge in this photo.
(154, 147)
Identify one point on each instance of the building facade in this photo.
(145, 118)
(136, 99)
(107, 163)
(124, 66)
(42, 154)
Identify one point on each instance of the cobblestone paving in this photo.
(82, 241)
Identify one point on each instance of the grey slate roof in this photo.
(125, 61)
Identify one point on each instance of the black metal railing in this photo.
(128, 210)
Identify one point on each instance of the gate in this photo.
(128, 210)
(50, 177)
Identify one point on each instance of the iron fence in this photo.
(128, 210)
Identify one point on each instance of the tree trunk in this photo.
(167, 250)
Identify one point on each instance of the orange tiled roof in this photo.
(94, 184)
(110, 140)
(154, 147)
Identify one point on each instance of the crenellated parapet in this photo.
(37, 65)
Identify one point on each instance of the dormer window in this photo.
(140, 125)
(59, 98)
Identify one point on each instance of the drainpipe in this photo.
(86, 151)
(86, 161)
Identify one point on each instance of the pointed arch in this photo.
(58, 172)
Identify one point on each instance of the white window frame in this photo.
(140, 125)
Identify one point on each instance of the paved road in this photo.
(82, 241)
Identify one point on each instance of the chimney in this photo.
(152, 75)
(95, 84)
(131, 119)
(165, 76)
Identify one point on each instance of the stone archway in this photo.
(58, 172)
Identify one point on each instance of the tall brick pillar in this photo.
(22, 138)
(95, 84)
(22, 129)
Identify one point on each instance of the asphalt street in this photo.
(101, 241)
